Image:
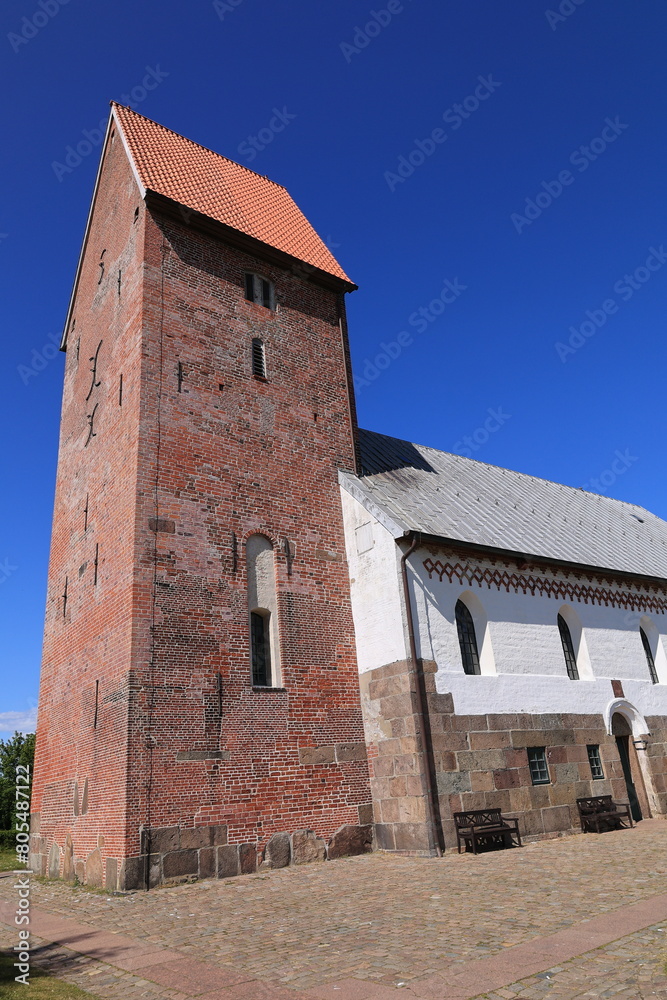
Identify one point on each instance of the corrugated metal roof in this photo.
(221, 189)
(437, 493)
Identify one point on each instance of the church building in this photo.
(271, 637)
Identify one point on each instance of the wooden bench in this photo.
(598, 813)
(486, 827)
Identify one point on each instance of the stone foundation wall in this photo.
(396, 758)
(182, 854)
(656, 753)
(481, 761)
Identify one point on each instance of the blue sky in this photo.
(490, 174)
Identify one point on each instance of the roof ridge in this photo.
(516, 472)
(117, 104)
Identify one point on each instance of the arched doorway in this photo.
(626, 722)
(622, 731)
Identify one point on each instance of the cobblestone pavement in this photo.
(97, 978)
(395, 920)
(633, 967)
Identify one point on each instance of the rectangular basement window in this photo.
(594, 760)
(539, 769)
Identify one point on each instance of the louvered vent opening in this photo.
(258, 358)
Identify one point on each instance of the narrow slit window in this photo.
(260, 643)
(649, 656)
(568, 649)
(595, 762)
(262, 613)
(467, 639)
(258, 358)
(266, 293)
(250, 287)
(537, 764)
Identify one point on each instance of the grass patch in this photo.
(8, 862)
(42, 986)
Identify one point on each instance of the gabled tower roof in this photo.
(220, 189)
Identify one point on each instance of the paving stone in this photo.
(377, 920)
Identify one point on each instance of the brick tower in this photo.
(199, 703)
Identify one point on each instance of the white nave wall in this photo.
(520, 648)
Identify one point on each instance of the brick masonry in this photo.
(146, 696)
(480, 761)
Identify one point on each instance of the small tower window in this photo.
(260, 644)
(259, 290)
(262, 613)
(258, 358)
(649, 656)
(568, 649)
(467, 639)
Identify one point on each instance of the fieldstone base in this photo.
(184, 863)
(176, 854)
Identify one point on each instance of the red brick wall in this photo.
(92, 640)
(169, 615)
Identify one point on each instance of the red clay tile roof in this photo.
(206, 182)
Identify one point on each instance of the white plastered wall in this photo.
(375, 587)
(527, 653)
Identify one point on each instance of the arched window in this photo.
(467, 639)
(568, 649)
(649, 656)
(263, 612)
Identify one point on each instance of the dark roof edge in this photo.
(219, 230)
(525, 557)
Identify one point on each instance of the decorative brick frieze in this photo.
(645, 597)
